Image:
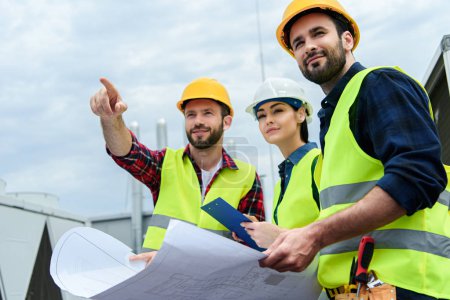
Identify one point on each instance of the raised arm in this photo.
(108, 105)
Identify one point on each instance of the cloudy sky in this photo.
(53, 52)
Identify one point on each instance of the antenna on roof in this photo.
(263, 78)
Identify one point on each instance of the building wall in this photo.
(437, 83)
(2, 289)
(119, 227)
(26, 239)
(440, 100)
(20, 233)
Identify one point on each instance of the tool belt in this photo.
(348, 292)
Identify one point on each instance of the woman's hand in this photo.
(263, 233)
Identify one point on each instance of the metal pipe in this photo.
(161, 134)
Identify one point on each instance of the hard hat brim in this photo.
(295, 103)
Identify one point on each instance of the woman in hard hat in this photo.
(282, 112)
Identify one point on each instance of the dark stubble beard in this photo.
(334, 64)
(210, 141)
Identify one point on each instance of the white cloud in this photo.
(53, 53)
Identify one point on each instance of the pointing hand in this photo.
(107, 102)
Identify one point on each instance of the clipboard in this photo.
(231, 218)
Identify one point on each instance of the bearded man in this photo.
(182, 180)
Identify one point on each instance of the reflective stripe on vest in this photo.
(346, 193)
(298, 207)
(413, 252)
(398, 239)
(180, 196)
(353, 192)
(444, 199)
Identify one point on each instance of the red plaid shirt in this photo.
(146, 165)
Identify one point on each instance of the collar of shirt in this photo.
(285, 168)
(330, 101)
(227, 161)
(301, 151)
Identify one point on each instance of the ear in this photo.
(300, 115)
(227, 120)
(347, 40)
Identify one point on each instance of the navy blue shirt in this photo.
(285, 171)
(285, 168)
(391, 122)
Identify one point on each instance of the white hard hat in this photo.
(282, 90)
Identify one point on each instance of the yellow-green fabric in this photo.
(180, 195)
(444, 200)
(412, 252)
(298, 207)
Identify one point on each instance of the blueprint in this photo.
(86, 261)
(196, 264)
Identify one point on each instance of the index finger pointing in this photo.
(110, 88)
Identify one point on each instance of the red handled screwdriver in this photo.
(365, 252)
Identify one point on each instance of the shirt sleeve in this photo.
(252, 203)
(394, 125)
(143, 164)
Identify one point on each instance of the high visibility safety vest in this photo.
(413, 252)
(444, 199)
(180, 195)
(298, 207)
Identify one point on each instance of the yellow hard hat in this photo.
(205, 88)
(298, 6)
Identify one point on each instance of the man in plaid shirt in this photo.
(182, 180)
